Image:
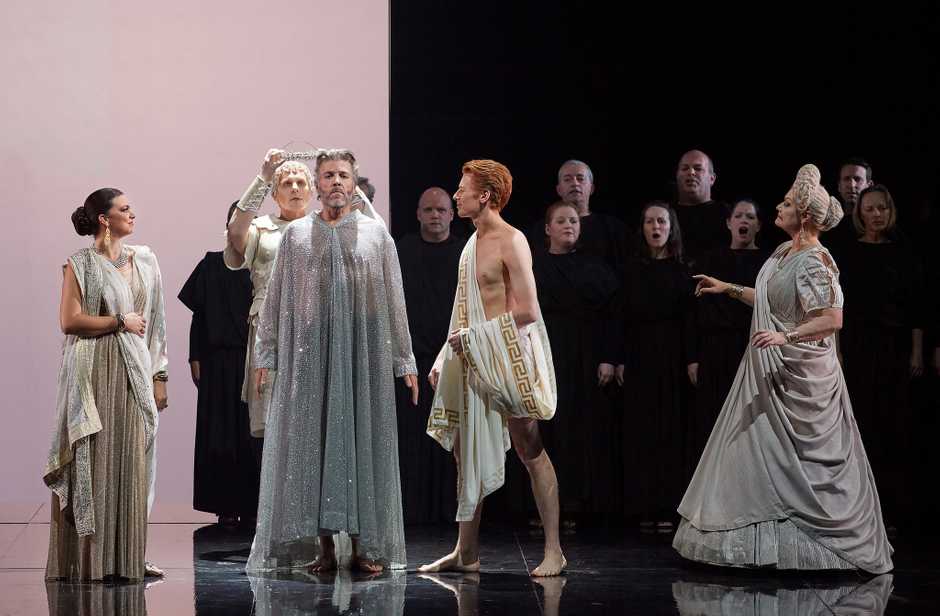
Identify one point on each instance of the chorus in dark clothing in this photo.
(429, 261)
(882, 343)
(721, 324)
(655, 320)
(603, 236)
(227, 460)
(707, 231)
(702, 218)
(576, 292)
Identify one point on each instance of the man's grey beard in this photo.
(346, 201)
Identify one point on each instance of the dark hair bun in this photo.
(82, 223)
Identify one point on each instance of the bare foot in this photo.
(551, 585)
(551, 596)
(367, 566)
(451, 562)
(466, 591)
(553, 564)
(323, 563)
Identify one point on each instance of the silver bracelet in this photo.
(253, 198)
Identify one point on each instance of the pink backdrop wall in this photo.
(175, 103)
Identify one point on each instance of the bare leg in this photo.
(364, 564)
(326, 561)
(466, 556)
(528, 445)
(466, 590)
(551, 596)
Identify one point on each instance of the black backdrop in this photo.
(628, 88)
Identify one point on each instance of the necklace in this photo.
(118, 263)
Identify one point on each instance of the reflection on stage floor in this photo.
(611, 571)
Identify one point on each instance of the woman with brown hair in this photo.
(112, 383)
(657, 305)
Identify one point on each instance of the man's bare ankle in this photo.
(468, 557)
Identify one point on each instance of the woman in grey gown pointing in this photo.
(784, 481)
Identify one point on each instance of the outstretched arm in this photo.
(709, 286)
(247, 209)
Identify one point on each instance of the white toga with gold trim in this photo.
(504, 372)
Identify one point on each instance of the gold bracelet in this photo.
(735, 291)
(792, 336)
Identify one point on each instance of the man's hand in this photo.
(605, 374)
(433, 377)
(194, 370)
(159, 394)
(453, 339)
(692, 369)
(411, 380)
(618, 374)
(261, 379)
(272, 160)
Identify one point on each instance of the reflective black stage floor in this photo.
(618, 571)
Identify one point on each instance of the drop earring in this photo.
(107, 238)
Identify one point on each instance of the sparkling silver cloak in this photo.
(334, 326)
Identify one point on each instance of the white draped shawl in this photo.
(504, 372)
(76, 412)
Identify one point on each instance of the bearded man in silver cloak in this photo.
(334, 328)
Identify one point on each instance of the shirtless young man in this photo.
(506, 284)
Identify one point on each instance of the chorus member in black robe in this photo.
(227, 460)
(882, 343)
(576, 293)
(722, 325)
(603, 236)
(855, 175)
(702, 218)
(655, 321)
(429, 262)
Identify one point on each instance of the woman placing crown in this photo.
(252, 243)
(784, 481)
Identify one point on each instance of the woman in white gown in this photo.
(784, 481)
